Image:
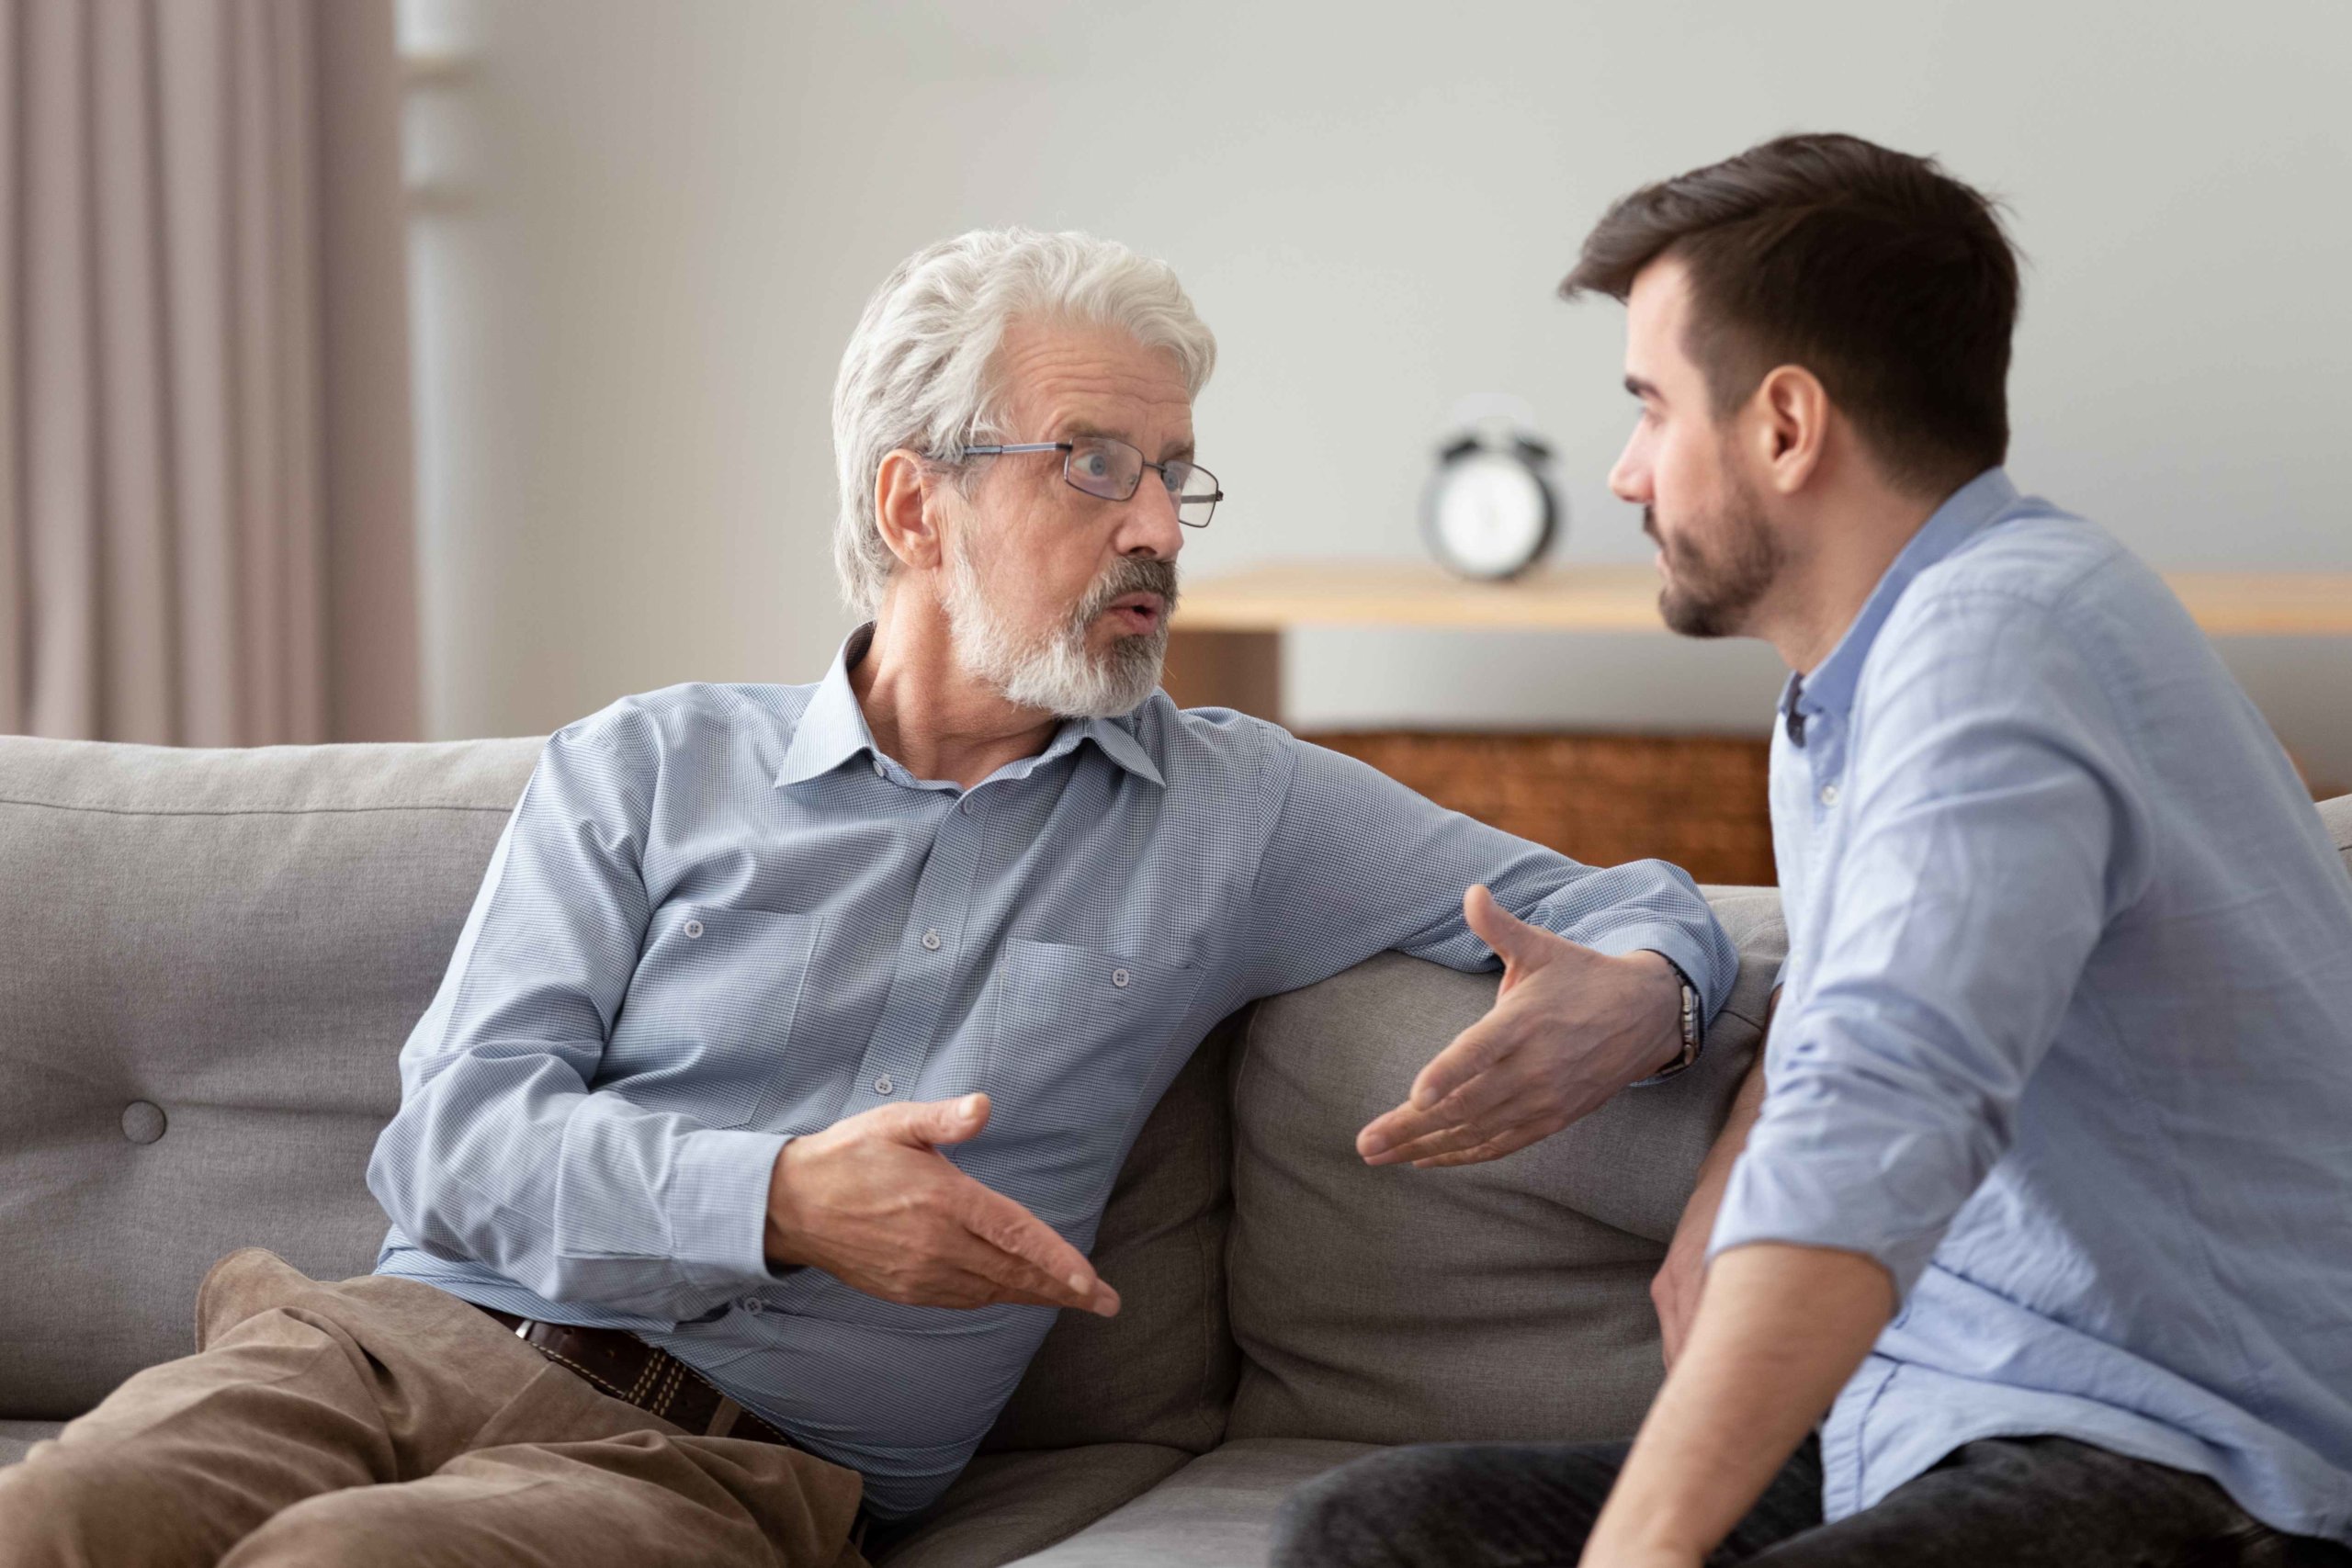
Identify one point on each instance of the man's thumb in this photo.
(948, 1120)
(1510, 937)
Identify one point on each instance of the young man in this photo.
(778, 1082)
(2049, 1202)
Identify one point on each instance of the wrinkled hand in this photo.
(1569, 1028)
(872, 1201)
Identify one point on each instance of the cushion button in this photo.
(142, 1123)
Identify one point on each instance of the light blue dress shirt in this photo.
(720, 917)
(2066, 1034)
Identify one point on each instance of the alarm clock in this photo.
(1489, 511)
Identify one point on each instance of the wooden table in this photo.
(1225, 645)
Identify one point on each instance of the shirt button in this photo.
(1119, 978)
(971, 806)
(1828, 794)
(931, 940)
(693, 929)
(883, 1086)
(754, 1306)
(878, 769)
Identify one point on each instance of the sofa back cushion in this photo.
(1161, 1372)
(212, 959)
(1507, 1300)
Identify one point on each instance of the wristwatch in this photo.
(1694, 1026)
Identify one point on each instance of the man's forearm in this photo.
(1779, 1332)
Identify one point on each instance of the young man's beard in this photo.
(1053, 672)
(1712, 595)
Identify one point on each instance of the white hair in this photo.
(918, 372)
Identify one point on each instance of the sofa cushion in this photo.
(2337, 815)
(214, 957)
(1008, 1504)
(1161, 1372)
(1216, 1512)
(1507, 1300)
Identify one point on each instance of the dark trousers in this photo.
(2016, 1502)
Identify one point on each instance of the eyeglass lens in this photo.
(1111, 468)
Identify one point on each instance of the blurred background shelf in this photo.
(1697, 800)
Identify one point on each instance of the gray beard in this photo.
(1054, 672)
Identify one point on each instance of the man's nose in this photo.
(1630, 478)
(1147, 524)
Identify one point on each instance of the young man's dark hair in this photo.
(1883, 275)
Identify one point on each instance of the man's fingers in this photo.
(943, 1120)
(1508, 1142)
(1460, 1139)
(1472, 1054)
(1040, 1259)
(1514, 940)
(1472, 1099)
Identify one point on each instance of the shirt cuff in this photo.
(718, 1207)
(1677, 946)
(1776, 1205)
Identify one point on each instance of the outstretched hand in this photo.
(872, 1201)
(1569, 1028)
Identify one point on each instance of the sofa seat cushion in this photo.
(1006, 1505)
(1216, 1512)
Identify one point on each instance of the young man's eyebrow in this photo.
(1642, 388)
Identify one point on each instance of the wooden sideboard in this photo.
(1225, 645)
(1696, 800)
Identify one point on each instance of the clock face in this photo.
(1488, 514)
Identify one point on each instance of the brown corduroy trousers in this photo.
(379, 1421)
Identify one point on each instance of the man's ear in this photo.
(1791, 426)
(907, 508)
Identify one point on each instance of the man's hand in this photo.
(1675, 1289)
(1569, 1028)
(1780, 1331)
(872, 1201)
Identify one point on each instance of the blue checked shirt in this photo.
(720, 917)
(2066, 1037)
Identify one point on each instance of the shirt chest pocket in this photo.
(1079, 1034)
(706, 1028)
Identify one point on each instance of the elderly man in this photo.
(773, 1096)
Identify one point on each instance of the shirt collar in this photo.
(833, 730)
(1830, 687)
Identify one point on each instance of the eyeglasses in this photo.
(1106, 467)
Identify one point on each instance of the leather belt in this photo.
(626, 1367)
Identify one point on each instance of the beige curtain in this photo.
(205, 491)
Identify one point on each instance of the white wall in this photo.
(667, 215)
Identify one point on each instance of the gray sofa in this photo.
(208, 961)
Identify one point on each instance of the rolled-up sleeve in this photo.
(1993, 832)
(1355, 864)
(501, 1152)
